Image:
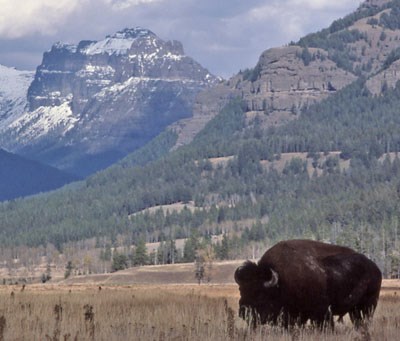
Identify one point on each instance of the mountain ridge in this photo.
(20, 177)
(246, 198)
(92, 103)
(277, 89)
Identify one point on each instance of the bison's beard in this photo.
(250, 315)
(256, 316)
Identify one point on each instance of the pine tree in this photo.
(141, 257)
(119, 262)
(68, 269)
(223, 253)
(190, 248)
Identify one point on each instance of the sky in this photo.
(225, 36)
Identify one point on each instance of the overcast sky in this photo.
(223, 35)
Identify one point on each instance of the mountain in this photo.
(21, 177)
(91, 104)
(311, 154)
(14, 86)
(288, 79)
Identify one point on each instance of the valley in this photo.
(134, 182)
(179, 164)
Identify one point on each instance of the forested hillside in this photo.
(22, 177)
(331, 171)
(356, 206)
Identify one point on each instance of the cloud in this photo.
(24, 17)
(223, 35)
(19, 18)
(124, 4)
(321, 4)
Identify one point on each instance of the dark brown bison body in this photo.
(300, 280)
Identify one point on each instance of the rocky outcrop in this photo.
(288, 79)
(77, 73)
(207, 105)
(92, 103)
(284, 82)
(277, 89)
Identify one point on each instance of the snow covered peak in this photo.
(132, 33)
(110, 46)
(101, 99)
(118, 43)
(64, 46)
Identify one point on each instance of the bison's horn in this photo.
(273, 281)
(238, 280)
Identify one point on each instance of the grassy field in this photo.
(159, 312)
(221, 273)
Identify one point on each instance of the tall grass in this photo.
(157, 313)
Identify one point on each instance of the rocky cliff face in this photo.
(284, 82)
(94, 102)
(288, 79)
(276, 90)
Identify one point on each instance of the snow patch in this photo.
(45, 71)
(91, 69)
(64, 46)
(113, 45)
(119, 87)
(14, 86)
(132, 83)
(43, 120)
(172, 56)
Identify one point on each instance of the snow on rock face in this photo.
(87, 68)
(62, 46)
(120, 42)
(91, 69)
(109, 46)
(109, 96)
(13, 88)
(43, 120)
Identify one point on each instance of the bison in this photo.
(297, 281)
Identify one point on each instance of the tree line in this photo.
(242, 199)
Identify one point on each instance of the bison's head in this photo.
(259, 293)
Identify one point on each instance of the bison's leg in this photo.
(356, 317)
(368, 311)
(340, 319)
(303, 320)
(363, 313)
(324, 320)
(361, 318)
(368, 308)
(329, 323)
(289, 320)
(324, 324)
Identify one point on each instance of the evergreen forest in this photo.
(341, 185)
(331, 172)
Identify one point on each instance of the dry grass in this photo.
(163, 312)
(183, 273)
